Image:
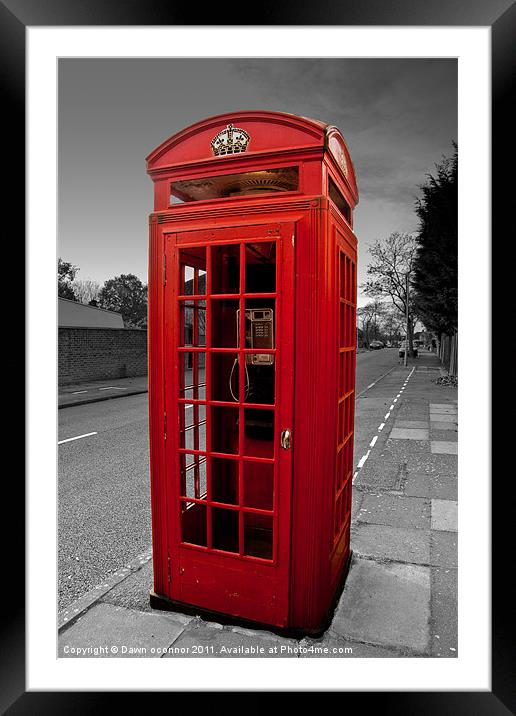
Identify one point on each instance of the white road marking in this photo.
(76, 392)
(370, 386)
(363, 459)
(112, 387)
(77, 437)
(380, 428)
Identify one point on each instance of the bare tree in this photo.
(86, 290)
(393, 324)
(370, 317)
(392, 260)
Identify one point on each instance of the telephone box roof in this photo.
(263, 133)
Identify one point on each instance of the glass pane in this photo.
(260, 267)
(224, 481)
(258, 432)
(351, 416)
(192, 426)
(342, 277)
(193, 523)
(224, 377)
(258, 485)
(338, 515)
(242, 184)
(340, 469)
(192, 470)
(260, 334)
(339, 201)
(192, 271)
(342, 374)
(225, 268)
(193, 322)
(346, 507)
(224, 323)
(342, 419)
(224, 529)
(192, 380)
(224, 430)
(258, 535)
(260, 384)
(342, 326)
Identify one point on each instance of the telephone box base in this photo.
(163, 603)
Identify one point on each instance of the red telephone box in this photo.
(252, 339)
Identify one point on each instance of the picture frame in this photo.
(501, 17)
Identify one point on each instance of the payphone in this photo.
(259, 334)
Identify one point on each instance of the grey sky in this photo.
(398, 118)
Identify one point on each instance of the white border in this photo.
(471, 670)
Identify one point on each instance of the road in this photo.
(103, 491)
(372, 365)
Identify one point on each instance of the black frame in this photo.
(15, 15)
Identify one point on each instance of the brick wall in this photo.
(101, 353)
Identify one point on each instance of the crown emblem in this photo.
(231, 140)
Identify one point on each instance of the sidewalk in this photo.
(94, 391)
(401, 592)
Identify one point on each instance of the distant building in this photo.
(77, 315)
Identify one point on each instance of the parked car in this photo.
(375, 345)
(401, 351)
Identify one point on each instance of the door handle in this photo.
(286, 439)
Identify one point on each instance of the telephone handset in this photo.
(259, 333)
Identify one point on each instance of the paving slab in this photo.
(209, 641)
(443, 549)
(422, 424)
(413, 412)
(444, 487)
(380, 474)
(443, 425)
(431, 464)
(443, 418)
(408, 434)
(443, 621)
(401, 448)
(396, 511)
(443, 407)
(447, 435)
(444, 447)
(385, 604)
(444, 515)
(109, 631)
(332, 647)
(418, 485)
(393, 543)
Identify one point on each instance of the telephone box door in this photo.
(229, 342)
